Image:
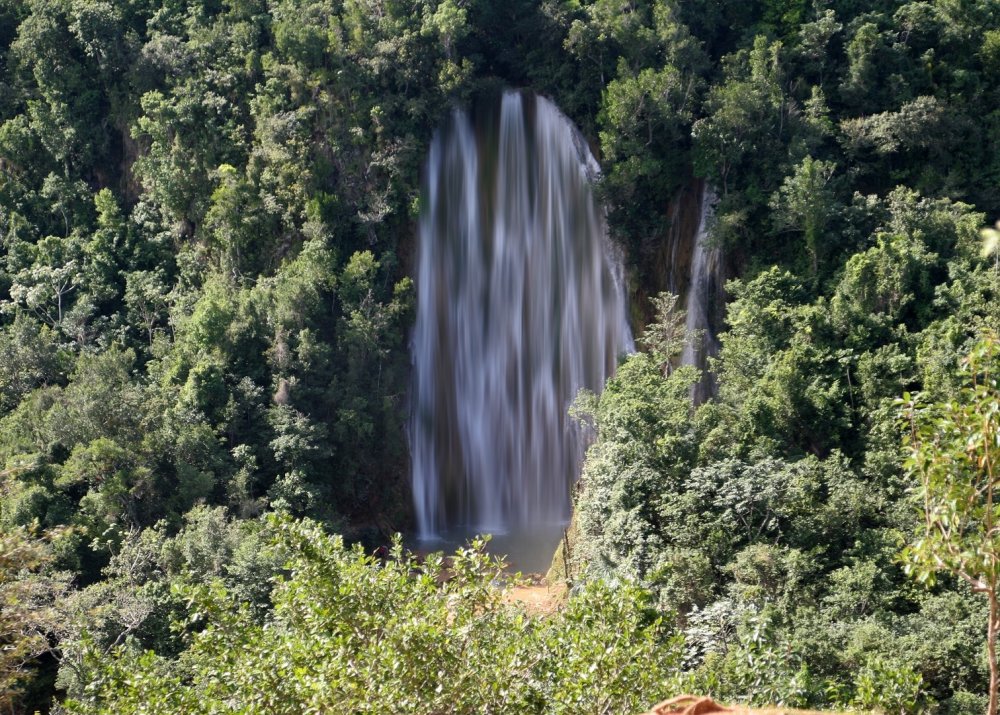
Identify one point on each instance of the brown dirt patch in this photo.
(537, 599)
(693, 705)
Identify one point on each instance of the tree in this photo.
(29, 357)
(954, 451)
(44, 286)
(745, 118)
(805, 203)
(146, 299)
(666, 336)
(29, 595)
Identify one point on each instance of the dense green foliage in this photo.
(853, 152)
(350, 634)
(31, 600)
(954, 448)
(206, 222)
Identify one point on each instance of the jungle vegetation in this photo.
(207, 225)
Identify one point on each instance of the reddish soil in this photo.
(537, 599)
(693, 705)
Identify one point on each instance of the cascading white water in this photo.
(705, 266)
(520, 303)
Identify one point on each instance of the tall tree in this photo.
(955, 453)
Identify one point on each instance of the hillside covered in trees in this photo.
(207, 235)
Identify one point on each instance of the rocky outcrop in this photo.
(689, 705)
(694, 705)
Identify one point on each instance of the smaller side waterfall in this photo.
(703, 291)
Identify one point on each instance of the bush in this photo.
(889, 687)
(349, 633)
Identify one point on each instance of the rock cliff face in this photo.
(673, 260)
(694, 267)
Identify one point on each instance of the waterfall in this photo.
(701, 296)
(520, 303)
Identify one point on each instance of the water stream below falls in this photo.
(520, 303)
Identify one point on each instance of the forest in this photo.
(208, 229)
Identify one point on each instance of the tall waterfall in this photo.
(520, 303)
(701, 295)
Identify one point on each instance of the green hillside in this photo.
(208, 217)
